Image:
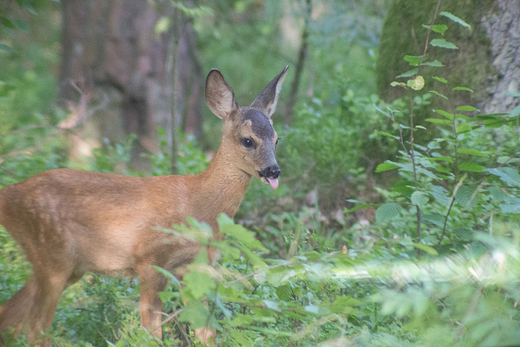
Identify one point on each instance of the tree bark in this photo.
(110, 51)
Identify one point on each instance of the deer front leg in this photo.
(150, 304)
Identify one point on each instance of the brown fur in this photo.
(72, 222)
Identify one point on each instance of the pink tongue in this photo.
(273, 182)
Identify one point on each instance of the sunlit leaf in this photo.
(472, 151)
(438, 121)
(440, 79)
(434, 63)
(385, 167)
(439, 94)
(466, 108)
(408, 73)
(417, 83)
(413, 60)
(472, 167)
(441, 28)
(445, 114)
(463, 88)
(384, 133)
(463, 128)
(426, 248)
(443, 44)
(455, 19)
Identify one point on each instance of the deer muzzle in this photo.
(270, 175)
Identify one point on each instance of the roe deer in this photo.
(72, 222)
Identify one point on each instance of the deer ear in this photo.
(219, 95)
(267, 99)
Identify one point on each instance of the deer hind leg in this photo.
(15, 312)
(50, 285)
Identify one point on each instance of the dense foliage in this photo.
(375, 237)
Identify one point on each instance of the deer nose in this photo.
(272, 171)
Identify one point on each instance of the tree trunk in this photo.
(112, 54)
(487, 60)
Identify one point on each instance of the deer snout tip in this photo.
(272, 171)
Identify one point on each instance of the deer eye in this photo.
(247, 143)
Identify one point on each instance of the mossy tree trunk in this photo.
(487, 61)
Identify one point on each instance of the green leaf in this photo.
(272, 305)
(511, 205)
(434, 63)
(244, 236)
(472, 167)
(425, 248)
(442, 158)
(199, 284)
(408, 73)
(168, 275)
(443, 44)
(441, 28)
(466, 118)
(387, 212)
(445, 114)
(241, 320)
(419, 198)
(196, 313)
(491, 115)
(466, 196)
(440, 194)
(21, 25)
(386, 167)
(442, 169)
(386, 134)
(7, 23)
(455, 19)
(515, 112)
(463, 88)
(439, 94)
(438, 121)
(463, 128)
(162, 25)
(427, 173)
(513, 94)
(507, 174)
(472, 151)
(360, 207)
(416, 84)
(440, 79)
(413, 60)
(395, 84)
(318, 310)
(383, 112)
(466, 108)
(6, 48)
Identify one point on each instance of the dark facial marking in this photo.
(259, 123)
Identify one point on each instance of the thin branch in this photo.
(450, 207)
(299, 64)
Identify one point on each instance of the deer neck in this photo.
(222, 185)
